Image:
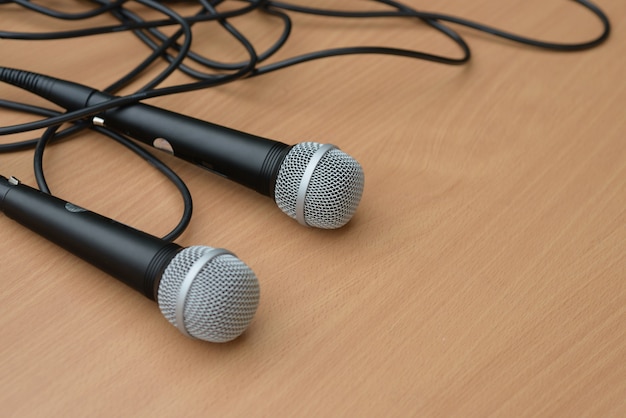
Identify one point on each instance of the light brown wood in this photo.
(484, 272)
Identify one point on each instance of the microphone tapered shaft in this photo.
(132, 256)
(244, 158)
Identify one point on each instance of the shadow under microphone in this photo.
(207, 293)
(317, 184)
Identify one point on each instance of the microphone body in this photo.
(244, 158)
(130, 255)
(206, 293)
(316, 184)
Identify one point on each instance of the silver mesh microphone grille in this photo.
(216, 294)
(319, 185)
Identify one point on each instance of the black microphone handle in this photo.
(132, 256)
(247, 159)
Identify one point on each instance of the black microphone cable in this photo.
(131, 22)
(176, 49)
(405, 11)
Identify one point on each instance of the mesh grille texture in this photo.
(221, 301)
(334, 191)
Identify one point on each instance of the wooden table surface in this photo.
(483, 274)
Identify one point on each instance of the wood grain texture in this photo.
(484, 273)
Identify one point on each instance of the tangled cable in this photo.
(176, 48)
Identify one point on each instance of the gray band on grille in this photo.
(306, 179)
(195, 269)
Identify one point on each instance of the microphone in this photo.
(207, 293)
(317, 184)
